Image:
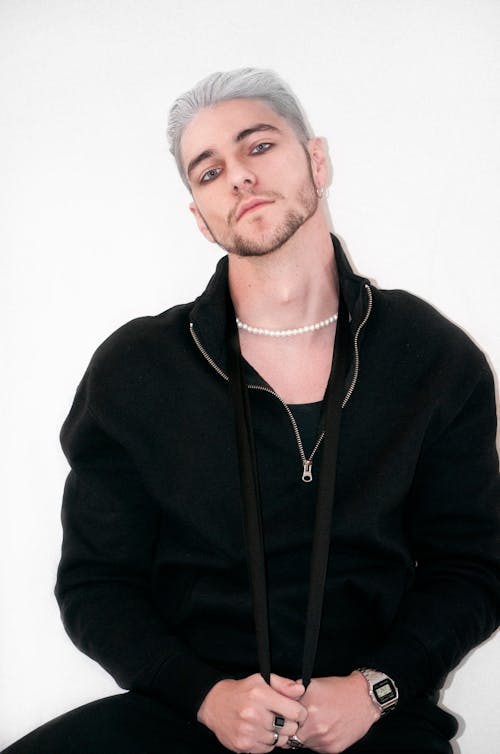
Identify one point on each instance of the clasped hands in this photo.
(328, 717)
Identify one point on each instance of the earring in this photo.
(320, 192)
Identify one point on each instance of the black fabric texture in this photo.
(153, 580)
(132, 724)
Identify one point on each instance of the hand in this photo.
(339, 712)
(241, 713)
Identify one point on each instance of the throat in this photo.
(297, 372)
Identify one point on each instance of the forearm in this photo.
(452, 524)
(119, 628)
(104, 589)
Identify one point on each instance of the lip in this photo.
(250, 205)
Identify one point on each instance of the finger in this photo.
(287, 708)
(299, 740)
(277, 721)
(262, 749)
(294, 715)
(301, 716)
(270, 740)
(289, 727)
(304, 730)
(282, 741)
(287, 687)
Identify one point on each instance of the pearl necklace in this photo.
(286, 333)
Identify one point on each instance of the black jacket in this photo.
(153, 582)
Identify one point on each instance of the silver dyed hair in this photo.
(242, 83)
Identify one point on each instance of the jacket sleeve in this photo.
(453, 525)
(110, 526)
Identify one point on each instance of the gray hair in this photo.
(242, 83)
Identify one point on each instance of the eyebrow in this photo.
(207, 153)
(196, 160)
(253, 129)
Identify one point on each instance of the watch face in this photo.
(384, 691)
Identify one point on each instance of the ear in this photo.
(319, 162)
(201, 222)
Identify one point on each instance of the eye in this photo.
(210, 175)
(262, 147)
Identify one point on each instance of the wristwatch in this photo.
(382, 689)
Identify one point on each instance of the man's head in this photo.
(244, 151)
(242, 83)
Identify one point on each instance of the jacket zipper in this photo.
(306, 462)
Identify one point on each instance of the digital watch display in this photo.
(382, 689)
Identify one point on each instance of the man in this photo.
(324, 504)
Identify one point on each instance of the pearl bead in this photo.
(286, 333)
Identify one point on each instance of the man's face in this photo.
(252, 181)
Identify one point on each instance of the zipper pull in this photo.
(307, 473)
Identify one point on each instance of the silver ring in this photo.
(294, 742)
(279, 721)
(276, 736)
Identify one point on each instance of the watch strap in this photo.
(382, 689)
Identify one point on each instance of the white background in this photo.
(94, 230)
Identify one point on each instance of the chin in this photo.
(252, 246)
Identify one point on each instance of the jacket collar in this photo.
(208, 313)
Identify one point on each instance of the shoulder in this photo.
(126, 376)
(129, 358)
(421, 352)
(141, 337)
(405, 320)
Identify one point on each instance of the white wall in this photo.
(94, 231)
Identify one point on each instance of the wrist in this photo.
(204, 715)
(381, 689)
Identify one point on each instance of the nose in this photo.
(240, 177)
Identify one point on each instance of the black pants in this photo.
(127, 724)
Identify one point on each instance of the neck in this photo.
(291, 287)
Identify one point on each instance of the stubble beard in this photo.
(238, 244)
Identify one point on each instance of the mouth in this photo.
(250, 206)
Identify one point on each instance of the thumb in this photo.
(287, 687)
